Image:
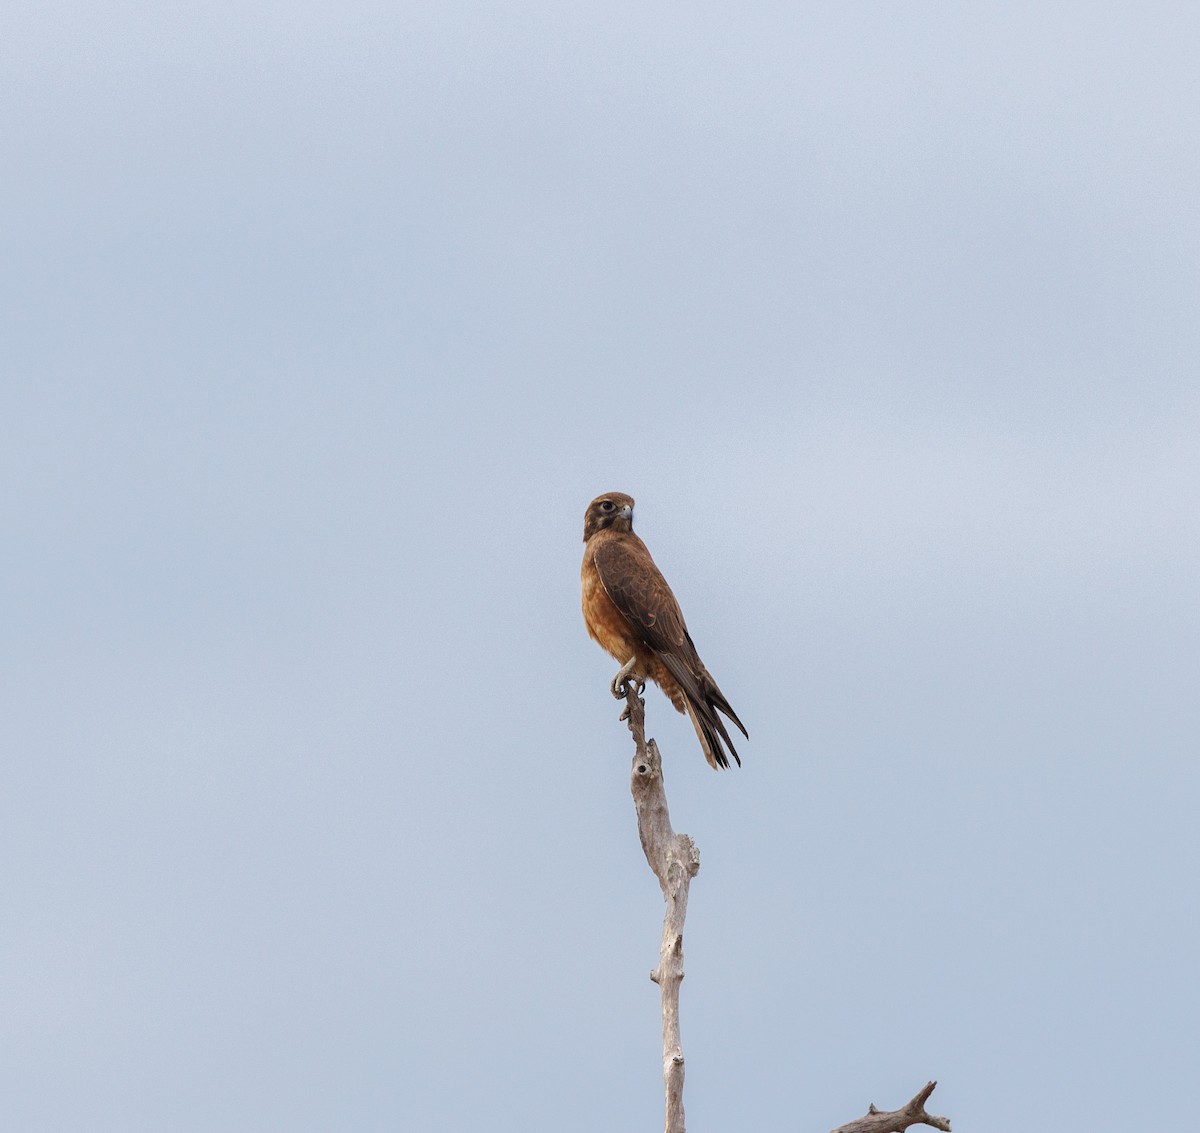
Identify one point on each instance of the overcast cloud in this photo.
(320, 327)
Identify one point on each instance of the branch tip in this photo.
(895, 1121)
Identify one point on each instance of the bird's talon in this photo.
(618, 682)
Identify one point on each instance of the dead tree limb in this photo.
(675, 860)
(898, 1120)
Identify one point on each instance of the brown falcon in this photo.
(630, 610)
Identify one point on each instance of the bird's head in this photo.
(613, 510)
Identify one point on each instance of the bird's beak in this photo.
(626, 512)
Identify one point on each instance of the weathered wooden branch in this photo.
(675, 860)
(898, 1120)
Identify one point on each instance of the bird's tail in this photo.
(702, 699)
(711, 731)
(716, 698)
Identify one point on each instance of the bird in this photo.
(630, 611)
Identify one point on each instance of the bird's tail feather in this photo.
(716, 698)
(710, 731)
(703, 698)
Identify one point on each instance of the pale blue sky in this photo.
(322, 325)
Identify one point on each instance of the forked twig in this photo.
(898, 1120)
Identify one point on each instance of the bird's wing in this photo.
(638, 589)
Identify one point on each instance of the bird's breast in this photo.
(605, 623)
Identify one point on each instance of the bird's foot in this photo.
(618, 682)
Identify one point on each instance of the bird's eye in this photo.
(607, 505)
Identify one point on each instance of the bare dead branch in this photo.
(898, 1120)
(675, 860)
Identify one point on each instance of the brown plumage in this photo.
(629, 609)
